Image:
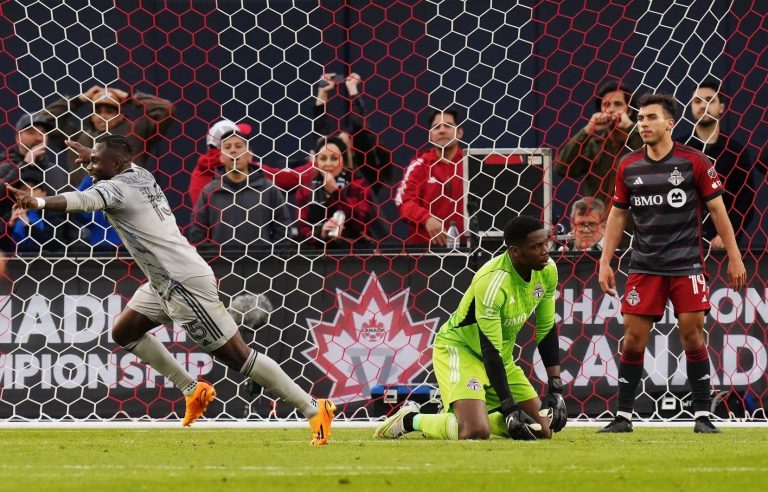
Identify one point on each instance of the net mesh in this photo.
(356, 324)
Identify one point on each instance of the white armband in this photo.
(40, 203)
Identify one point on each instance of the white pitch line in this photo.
(356, 470)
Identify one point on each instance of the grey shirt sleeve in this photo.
(102, 196)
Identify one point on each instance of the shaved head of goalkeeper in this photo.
(527, 244)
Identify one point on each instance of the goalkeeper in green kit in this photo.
(482, 389)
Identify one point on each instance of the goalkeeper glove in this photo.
(553, 406)
(521, 426)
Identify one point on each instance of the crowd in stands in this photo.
(332, 200)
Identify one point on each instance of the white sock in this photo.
(626, 415)
(268, 374)
(153, 353)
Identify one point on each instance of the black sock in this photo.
(408, 421)
(697, 364)
(630, 372)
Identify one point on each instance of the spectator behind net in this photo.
(240, 209)
(108, 106)
(35, 231)
(335, 189)
(209, 164)
(732, 161)
(366, 156)
(431, 194)
(587, 225)
(31, 150)
(593, 153)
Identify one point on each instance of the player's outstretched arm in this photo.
(56, 203)
(614, 228)
(737, 274)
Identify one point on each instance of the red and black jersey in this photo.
(666, 199)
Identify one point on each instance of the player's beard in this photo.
(707, 121)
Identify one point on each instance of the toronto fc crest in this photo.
(633, 297)
(676, 178)
(538, 291)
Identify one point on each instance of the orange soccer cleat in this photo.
(198, 402)
(321, 423)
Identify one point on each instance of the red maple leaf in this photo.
(371, 340)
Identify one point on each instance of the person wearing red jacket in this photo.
(209, 163)
(431, 194)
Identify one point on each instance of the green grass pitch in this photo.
(281, 459)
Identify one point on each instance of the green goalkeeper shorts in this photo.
(461, 376)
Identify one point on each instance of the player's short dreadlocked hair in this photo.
(518, 229)
(117, 144)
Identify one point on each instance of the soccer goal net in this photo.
(355, 321)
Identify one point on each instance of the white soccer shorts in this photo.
(194, 304)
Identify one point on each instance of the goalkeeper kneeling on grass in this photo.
(482, 389)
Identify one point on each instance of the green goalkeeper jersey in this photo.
(498, 303)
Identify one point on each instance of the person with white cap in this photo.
(209, 164)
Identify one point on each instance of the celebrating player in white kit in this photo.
(180, 287)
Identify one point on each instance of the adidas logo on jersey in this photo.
(637, 181)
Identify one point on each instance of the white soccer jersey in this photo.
(138, 210)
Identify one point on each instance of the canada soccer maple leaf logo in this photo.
(372, 340)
